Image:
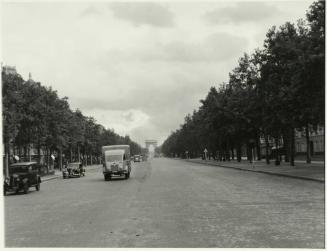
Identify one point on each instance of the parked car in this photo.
(22, 176)
(137, 158)
(74, 169)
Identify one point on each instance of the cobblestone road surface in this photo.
(169, 203)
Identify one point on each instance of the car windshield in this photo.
(18, 169)
(111, 158)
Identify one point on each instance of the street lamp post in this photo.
(252, 141)
(205, 153)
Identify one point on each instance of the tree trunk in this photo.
(307, 137)
(6, 164)
(19, 151)
(267, 149)
(25, 152)
(60, 159)
(71, 154)
(79, 153)
(39, 152)
(292, 148)
(277, 161)
(14, 150)
(47, 153)
(248, 151)
(29, 153)
(91, 160)
(287, 147)
(239, 152)
(232, 150)
(258, 147)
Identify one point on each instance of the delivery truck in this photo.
(116, 161)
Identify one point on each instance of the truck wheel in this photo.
(26, 187)
(107, 177)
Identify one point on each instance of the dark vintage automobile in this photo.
(137, 158)
(74, 169)
(22, 176)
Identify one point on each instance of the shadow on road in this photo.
(19, 193)
(113, 179)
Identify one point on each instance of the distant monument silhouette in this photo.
(148, 144)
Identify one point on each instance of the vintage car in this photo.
(74, 169)
(137, 158)
(22, 176)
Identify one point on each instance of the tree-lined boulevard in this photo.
(34, 116)
(169, 203)
(270, 94)
(211, 182)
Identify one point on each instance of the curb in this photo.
(260, 171)
(56, 176)
(43, 179)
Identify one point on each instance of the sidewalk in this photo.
(58, 173)
(314, 171)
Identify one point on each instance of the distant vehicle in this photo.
(74, 169)
(116, 161)
(22, 176)
(137, 158)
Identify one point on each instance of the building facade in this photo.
(316, 138)
(9, 69)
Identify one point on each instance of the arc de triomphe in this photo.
(149, 143)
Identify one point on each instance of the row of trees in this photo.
(33, 116)
(272, 92)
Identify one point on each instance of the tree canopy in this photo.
(270, 93)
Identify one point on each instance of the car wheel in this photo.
(37, 187)
(26, 187)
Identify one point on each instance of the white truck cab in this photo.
(116, 161)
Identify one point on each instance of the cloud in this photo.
(216, 47)
(164, 91)
(143, 13)
(241, 12)
(123, 121)
(90, 11)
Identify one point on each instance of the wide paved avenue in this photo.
(169, 203)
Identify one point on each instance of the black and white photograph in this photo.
(163, 124)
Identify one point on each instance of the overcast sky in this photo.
(137, 67)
